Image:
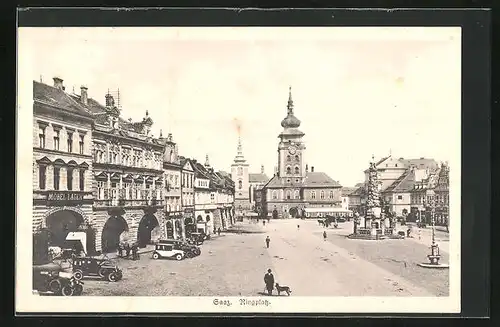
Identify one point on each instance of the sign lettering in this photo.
(64, 197)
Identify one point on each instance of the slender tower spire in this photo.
(207, 163)
(290, 101)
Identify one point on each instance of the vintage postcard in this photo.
(239, 169)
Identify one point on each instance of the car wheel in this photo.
(156, 256)
(113, 277)
(78, 274)
(178, 257)
(67, 290)
(78, 290)
(55, 286)
(102, 272)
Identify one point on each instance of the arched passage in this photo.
(294, 212)
(60, 223)
(170, 229)
(111, 232)
(146, 226)
(199, 219)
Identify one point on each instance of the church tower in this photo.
(240, 177)
(291, 149)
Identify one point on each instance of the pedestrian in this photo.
(298, 227)
(268, 220)
(218, 231)
(127, 250)
(268, 240)
(120, 250)
(324, 236)
(134, 251)
(419, 234)
(269, 281)
(263, 223)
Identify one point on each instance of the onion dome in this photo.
(290, 120)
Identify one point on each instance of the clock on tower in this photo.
(292, 150)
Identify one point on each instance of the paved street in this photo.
(234, 264)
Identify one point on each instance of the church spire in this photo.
(207, 163)
(290, 101)
(239, 156)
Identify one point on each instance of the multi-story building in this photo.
(345, 193)
(257, 181)
(433, 188)
(205, 203)
(172, 177)
(357, 198)
(223, 189)
(62, 163)
(187, 195)
(293, 188)
(128, 178)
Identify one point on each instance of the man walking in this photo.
(324, 236)
(268, 240)
(269, 281)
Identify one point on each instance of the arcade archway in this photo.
(146, 226)
(110, 238)
(60, 223)
(294, 212)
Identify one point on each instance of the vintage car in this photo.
(52, 279)
(189, 249)
(89, 266)
(196, 238)
(165, 250)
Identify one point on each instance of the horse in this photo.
(321, 222)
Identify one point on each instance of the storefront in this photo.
(58, 213)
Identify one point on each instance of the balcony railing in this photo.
(128, 203)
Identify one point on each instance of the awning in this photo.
(78, 236)
(312, 210)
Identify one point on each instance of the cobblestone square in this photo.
(234, 265)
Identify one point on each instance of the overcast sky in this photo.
(357, 91)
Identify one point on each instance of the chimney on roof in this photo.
(307, 168)
(169, 137)
(262, 169)
(312, 169)
(207, 163)
(58, 83)
(84, 94)
(110, 101)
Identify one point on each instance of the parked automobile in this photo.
(89, 266)
(196, 238)
(165, 250)
(52, 279)
(189, 249)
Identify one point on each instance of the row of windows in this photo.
(289, 158)
(296, 195)
(419, 199)
(131, 191)
(57, 137)
(289, 170)
(127, 158)
(42, 178)
(202, 183)
(172, 180)
(187, 180)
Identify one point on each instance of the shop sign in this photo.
(64, 197)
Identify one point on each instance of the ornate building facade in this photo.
(62, 163)
(172, 176)
(128, 178)
(294, 188)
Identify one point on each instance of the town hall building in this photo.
(294, 188)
